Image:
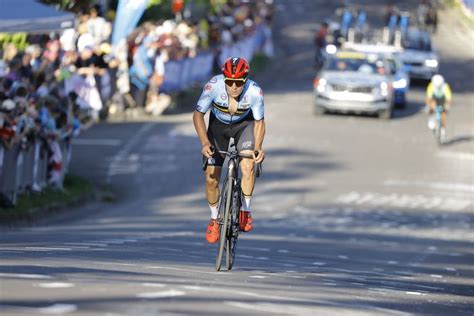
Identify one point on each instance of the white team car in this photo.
(399, 72)
(418, 55)
(354, 82)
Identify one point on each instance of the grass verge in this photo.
(75, 190)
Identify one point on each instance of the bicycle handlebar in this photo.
(258, 171)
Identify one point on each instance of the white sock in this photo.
(214, 210)
(246, 204)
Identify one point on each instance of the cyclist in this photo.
(236, 111)
(438, 92)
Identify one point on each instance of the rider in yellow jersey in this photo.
(438, 92)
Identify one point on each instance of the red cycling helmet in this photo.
(235, 68)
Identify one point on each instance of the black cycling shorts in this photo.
(219, 135)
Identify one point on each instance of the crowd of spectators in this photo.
(154, 43)
(59, 83)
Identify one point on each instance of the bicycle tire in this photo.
(231, 245)
(224, 213)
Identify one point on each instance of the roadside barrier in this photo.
(26, 168)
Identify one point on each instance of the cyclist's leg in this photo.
(220, 141)
(443, 118)
(213, 175)
(244, 139)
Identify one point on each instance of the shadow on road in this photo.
(459, 139)
(332, 249)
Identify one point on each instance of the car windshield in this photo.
(358, 65)
(418, 43)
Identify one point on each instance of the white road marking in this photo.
(183, 270)
(56, 285)
(48, 248)
(58, 309)
(257, 276)
(413, 293)
(25, 276)
(162, 294)
(319, 263)
(87, 244)
(456, 155)
(154, 284)
(405, 201)
(449, 186)
(96, 142)
(193, 287)
(348, 198)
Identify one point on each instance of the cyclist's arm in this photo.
(203, 105)
(449, 95)
(200, 126)
(259, 126)
(259, 134)
(429, 96)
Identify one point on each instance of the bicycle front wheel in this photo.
(231, 245)
(224, 211)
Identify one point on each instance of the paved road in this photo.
(354, 215)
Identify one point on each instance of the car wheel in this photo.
(402, 104)
(385, 114)
(318, 110)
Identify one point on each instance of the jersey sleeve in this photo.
(429, 91)
(258, 104)
(207, 96)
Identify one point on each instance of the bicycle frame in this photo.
(438, 112)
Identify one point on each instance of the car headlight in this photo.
(331, 49)
(400, 84)
(384, 88)
(322, 85)
(433, 63)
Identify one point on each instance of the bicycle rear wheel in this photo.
(224, 219)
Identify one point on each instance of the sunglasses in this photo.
(238, 82)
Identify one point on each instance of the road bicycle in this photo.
(229, 208)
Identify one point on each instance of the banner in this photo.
(128, 14)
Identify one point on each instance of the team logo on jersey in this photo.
(223, 96)
(245, 99)
(207, 87)
(213, 80)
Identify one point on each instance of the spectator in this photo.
(98, 27)
(141, 71)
